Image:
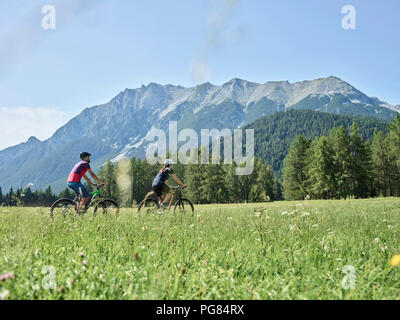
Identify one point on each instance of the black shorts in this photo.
(159, 190)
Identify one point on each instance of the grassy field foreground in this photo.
(281, 250)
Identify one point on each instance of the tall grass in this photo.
(282, 250)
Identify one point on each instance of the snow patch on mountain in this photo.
(119, 157)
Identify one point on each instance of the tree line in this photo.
(128, 181)
(206, 183)
(26, 197)
(343, 165)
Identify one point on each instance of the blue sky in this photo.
(101, 47)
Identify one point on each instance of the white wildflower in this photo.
(4, 295)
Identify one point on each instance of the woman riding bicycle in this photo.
(160, 187)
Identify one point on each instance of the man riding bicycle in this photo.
(160, 187)
(75, 176)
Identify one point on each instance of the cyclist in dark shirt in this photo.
(160, 187)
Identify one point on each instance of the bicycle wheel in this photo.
(62, 207)
(106, 206)
(148, 206)
(183, 205)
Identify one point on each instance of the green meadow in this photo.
(339, 249)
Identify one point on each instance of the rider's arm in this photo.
(94, 176)
(178, 181)
(88, 180)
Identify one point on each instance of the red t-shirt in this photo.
(78, 171)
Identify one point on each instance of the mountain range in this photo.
(119, 127)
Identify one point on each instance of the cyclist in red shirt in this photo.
(75, 176)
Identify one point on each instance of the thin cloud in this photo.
(18, 124)
(218, 36)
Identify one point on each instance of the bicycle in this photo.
(66, 206)
(151, 205)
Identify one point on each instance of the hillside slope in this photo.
(274, 134)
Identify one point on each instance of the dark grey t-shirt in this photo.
(161, 177)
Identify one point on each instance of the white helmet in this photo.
(168, 162)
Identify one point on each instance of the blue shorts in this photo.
(79, 188)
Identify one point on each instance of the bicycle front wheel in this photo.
(106, 206)
(184, 205)
(62, 207)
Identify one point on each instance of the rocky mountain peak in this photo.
(33, 139)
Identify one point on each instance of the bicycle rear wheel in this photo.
(62, 207)
(183, 205)
(149, 206)
(106, 206)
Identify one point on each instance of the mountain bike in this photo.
(66, 206)
(150, 204)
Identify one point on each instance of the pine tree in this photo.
(320, 171)
(295, 169)
(194, 178)
(342, 161)
(393, 138)
(107, 175)
(380, 164)
(245, 185)
(213, 188)
(262, 188)
(29, 197)
(48, 196)
(361, 166)
(233, 183)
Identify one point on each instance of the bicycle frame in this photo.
(153, 203)
(94, 195)
(175, 189)
(172, 199)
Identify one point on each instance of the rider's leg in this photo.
(82, 204)
(167, 197)
(84, 196)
